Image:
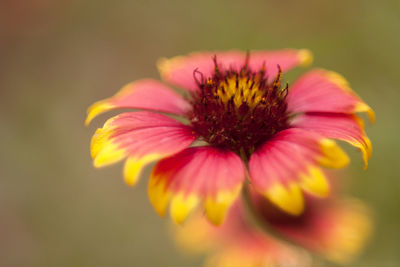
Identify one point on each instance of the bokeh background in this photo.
(58, 57)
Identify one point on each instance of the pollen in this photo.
(238, 109)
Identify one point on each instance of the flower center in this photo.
(238, 110)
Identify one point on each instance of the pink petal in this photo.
(178, 71)
(143, 94)
(206, 174)
(345, 127)
(142, 137)
(287, 163)
(325, 91)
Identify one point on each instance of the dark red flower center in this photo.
(238, 109)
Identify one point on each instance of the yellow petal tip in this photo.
(108, 155)
(217, 207)
(158, 194)
(362, 107)
(289, 198)
(181, 206)
(103, 151)
(133, 167)
(315, 182)
(332, 155)
(306, 57)
(164, 65)
(97, 109)
(366, 151)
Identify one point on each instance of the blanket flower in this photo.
(236, 122)
(334, 229)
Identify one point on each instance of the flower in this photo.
(237, 120)
(236, 243)
(335, 229)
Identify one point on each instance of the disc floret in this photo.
(238, 109)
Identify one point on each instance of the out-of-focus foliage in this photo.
(58, 57)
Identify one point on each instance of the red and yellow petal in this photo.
(217, 206)
(196, 235)
(352, 229)
(158, 194)
(142, 137)
(143, 94)
(236, 242)
(179, 70)
(288, 164)
(196, 175)
(325, 91)
(345, 127)
(315, 182)
(134, 164)
(288, 197)
(332, 156)
(182, 205)
(103, 150)
(336, 229)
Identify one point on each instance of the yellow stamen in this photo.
(240, 90)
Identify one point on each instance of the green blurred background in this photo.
(58, 57)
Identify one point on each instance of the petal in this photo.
(338, 229)
(182, 205)
(236, 243)
(286, 163)
(179, 70)
(158, 195)
(334, 156)
(345, 127)
(208, 174)
(325, 91)
(287, 197)
(103, 150)
(315, 182)
(196, 236)
(353, 226)
(143, 137)
(143, 94)
(286, 59)
(134, 165)
(216, 207)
